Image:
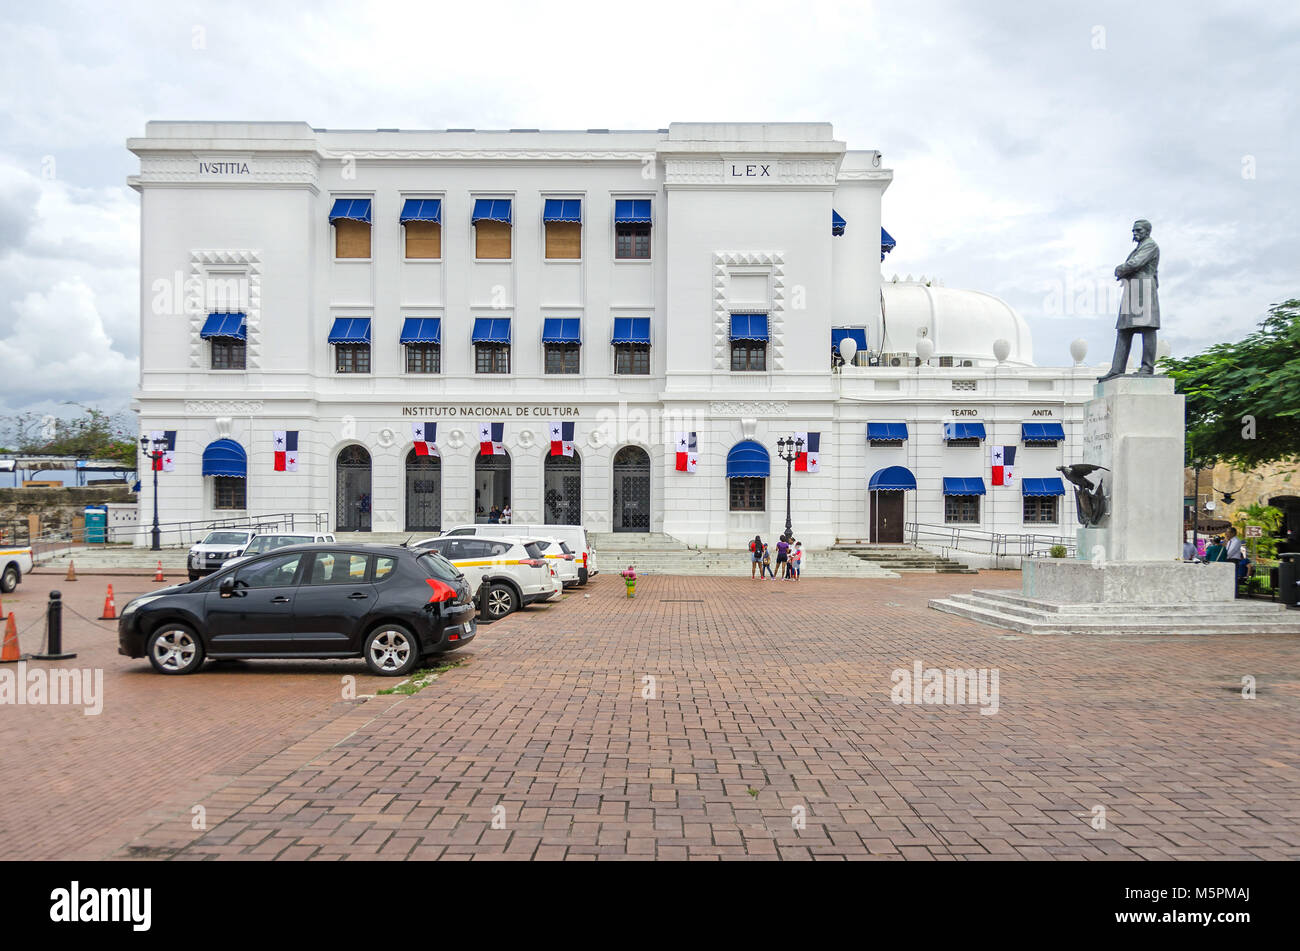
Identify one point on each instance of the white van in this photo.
(575, 536)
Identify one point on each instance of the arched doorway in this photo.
(491, 485)
(888, 504)
(631, 490)
(562, 490)
(352, 470)
(423, 493)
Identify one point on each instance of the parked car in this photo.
(218, 547)
(575, 536)
(562, 560)
(516, 572)
(14, 563)
(388, 604)
(269, 541)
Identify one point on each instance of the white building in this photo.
(345, 285)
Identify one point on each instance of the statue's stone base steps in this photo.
(1013, 611)
(654, 553)
(905, 558)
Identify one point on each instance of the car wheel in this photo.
(501, 601)
(175, 649)
(391, 651)
(9, 580)
(194, 575)
(582, 576)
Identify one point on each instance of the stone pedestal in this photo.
(1127, 582)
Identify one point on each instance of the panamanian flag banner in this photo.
(168, 461)
(688, 452)
(809, 459)
(425, 436)
(561, 439)
(286, 450)
(490, 439)
(1004, 458)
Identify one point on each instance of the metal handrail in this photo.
(979, 541)
(178, 534)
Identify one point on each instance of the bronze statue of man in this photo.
(1139, 309)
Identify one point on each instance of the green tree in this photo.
(1243, 398)
(94, 434)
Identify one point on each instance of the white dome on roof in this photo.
(962, 324)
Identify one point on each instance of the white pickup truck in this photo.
(14, 563)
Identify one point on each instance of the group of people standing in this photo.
(788, 559)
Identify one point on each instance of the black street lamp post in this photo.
(155, 449)
(788, 448)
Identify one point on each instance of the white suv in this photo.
(562, 560)
(268, 541)
(516, 572)
(575, 536)
(217, 548)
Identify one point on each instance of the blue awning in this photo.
(562, 209)
(956, 486)
(748, 460)
(963, 430)
(491, 330)
(351, 209)
(421, 330)
(492, 209)
(225, 457)
(224, 325)
(1042, 432)
(562, 330)
(886, 430)
(887, 243)
(631, 330)
(858, 334)
(837, 223)
(632, 211)
(422, 209)
(892, 478)
(1048, 486)
(749, 327)
(350, 330)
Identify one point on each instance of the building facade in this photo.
(406, 330)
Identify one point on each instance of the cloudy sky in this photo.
(1024, 137)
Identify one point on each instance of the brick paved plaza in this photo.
(768, 697)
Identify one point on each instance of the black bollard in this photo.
(54, 630)
(482, 600)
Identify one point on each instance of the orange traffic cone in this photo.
(10, 653)
(158, 576)
(72, 571)
(110, 608)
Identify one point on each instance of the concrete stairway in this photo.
(1011, 610)
(654, 553)
(905, 558)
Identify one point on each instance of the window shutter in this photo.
(563, 239)
(423, 239)
(492, 239)
(351, 239)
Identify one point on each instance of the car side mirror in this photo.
(227, 586)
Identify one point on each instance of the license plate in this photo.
(469, 627)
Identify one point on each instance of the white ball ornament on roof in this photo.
(1078, 350)
(1001, 349)
(848, 349)
(925, 348)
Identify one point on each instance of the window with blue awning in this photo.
(225, 325)
(886, 243)
(422, 209)
(350, 330)
(837, 223)
(963, 431)
(562, 209)
(225, 457)
(492, 209)
(749, 327)
(893, 478)
(748, 460)
(632, 211)
(562, 330)
(491, 330)
(960, 486)
(1042, 432)
(1048, 486)
(887, 431)
(421, 330)
(351, 209)
(857, 334)
(631, 330)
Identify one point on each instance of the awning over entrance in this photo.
(749, 327)
(963, 430)
(492, 209)
(631, 330)
(958, 486)
(562, 330)
(224, 325)
(491, 330)
(350, 330)
(748, 460)
(422, 209)
(892, 479)
(837, 223)
(351, 209)
(1042, 432)
(421, 330)
(1048, 486)
(562, 209)
(886, 243)
(225, 457)
(887, 431)
(857, 334)
(632, 211)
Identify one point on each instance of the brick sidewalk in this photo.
(547, 721)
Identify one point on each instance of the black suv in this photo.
(388, 604)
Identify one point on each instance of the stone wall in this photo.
(56, 510)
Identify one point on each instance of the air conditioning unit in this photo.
(897, 359)
(968, 363)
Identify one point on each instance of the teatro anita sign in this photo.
(516, 411)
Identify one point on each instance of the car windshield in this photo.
(438, 567)
(225, 538)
